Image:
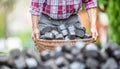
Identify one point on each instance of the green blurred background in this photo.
(15, 24)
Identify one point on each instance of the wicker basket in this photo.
(43, 44)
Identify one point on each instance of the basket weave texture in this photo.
(43, 44)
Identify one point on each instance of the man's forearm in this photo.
(92, 16)
(35, 19)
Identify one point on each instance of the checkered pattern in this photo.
(59, 9)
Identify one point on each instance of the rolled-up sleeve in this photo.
(36, 7)
(90, 3)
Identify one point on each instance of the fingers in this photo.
(35, 36)
(94, 35)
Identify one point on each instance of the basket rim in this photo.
(43, 44)
(45, 40)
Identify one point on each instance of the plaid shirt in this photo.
(59, 9)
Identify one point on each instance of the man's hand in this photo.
(35, 34)
(94, 33)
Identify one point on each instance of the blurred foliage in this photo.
(2, 21)
(114, 17)
(7, 4)
(102, 5)
(25, 38)
(112, 7)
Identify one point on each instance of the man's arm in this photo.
(92, 16)
(35, 33)
(36, 9)
(90, 6)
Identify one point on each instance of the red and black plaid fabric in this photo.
(59, 9)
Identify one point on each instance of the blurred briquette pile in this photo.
(79, 56)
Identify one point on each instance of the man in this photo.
(56, 12)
